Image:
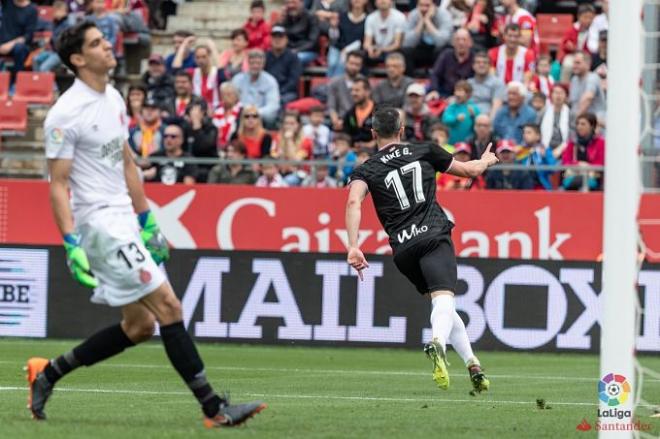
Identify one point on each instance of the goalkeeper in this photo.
(108, 248)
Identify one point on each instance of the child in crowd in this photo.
(440, 136)
(342, 153)
(257, 28)
(533, 152)
(318, 132)
(459, 116)
(270, 176)
(542, 81)
(322, 178)
(48, 60)
(99, 15)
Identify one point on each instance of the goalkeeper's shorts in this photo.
(118, 258)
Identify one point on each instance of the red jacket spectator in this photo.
(595, 152)
(577, 38)
(258, 35)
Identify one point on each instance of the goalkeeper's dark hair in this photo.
(71, 41)
(386, 121)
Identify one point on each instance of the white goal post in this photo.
(621, 199)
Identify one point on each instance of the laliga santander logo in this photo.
(613, 389)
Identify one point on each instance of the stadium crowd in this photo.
(465, 73)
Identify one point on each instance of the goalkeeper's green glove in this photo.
(153, 239)
(76, 259)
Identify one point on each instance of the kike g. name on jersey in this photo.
(90, 129)
(401, 179)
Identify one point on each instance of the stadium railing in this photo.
(311, 165)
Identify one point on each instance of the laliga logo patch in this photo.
(613, 389)
(56, 136)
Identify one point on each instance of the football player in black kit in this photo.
(401, 179)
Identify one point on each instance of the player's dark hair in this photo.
(533, 126)
(387, 121)
(71, 41)
(512, 26)
(317, 109)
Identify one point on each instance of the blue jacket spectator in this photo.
(283, 65)
(259, 88)
(533, 152)
(104, 21)
(183, 40)
(514, 115)
(18, 21)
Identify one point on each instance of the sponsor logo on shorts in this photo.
(145, 276)
(405, 235)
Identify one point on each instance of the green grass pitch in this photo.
(311, 393)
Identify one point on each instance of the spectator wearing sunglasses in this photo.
(252, 134)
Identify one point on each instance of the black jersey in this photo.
(401, 179)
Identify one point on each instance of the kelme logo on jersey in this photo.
(409, 234)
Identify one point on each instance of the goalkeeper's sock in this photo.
(186, 360)
(104, 344)
(460, 341)
(442, 318)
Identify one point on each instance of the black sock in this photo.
(60, 366)
(184, 357)
(100, 346)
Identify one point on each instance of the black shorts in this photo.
(430, 264)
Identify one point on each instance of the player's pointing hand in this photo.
(489, 157)
(357, 260)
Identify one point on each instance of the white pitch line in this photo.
(317, 397)
(341, 371)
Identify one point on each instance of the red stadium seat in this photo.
(4, 85)
(46, 13)
(35, 87)
(552, 28)
(13, 117)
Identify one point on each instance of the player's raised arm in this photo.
(357, 192)
(473, 168)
